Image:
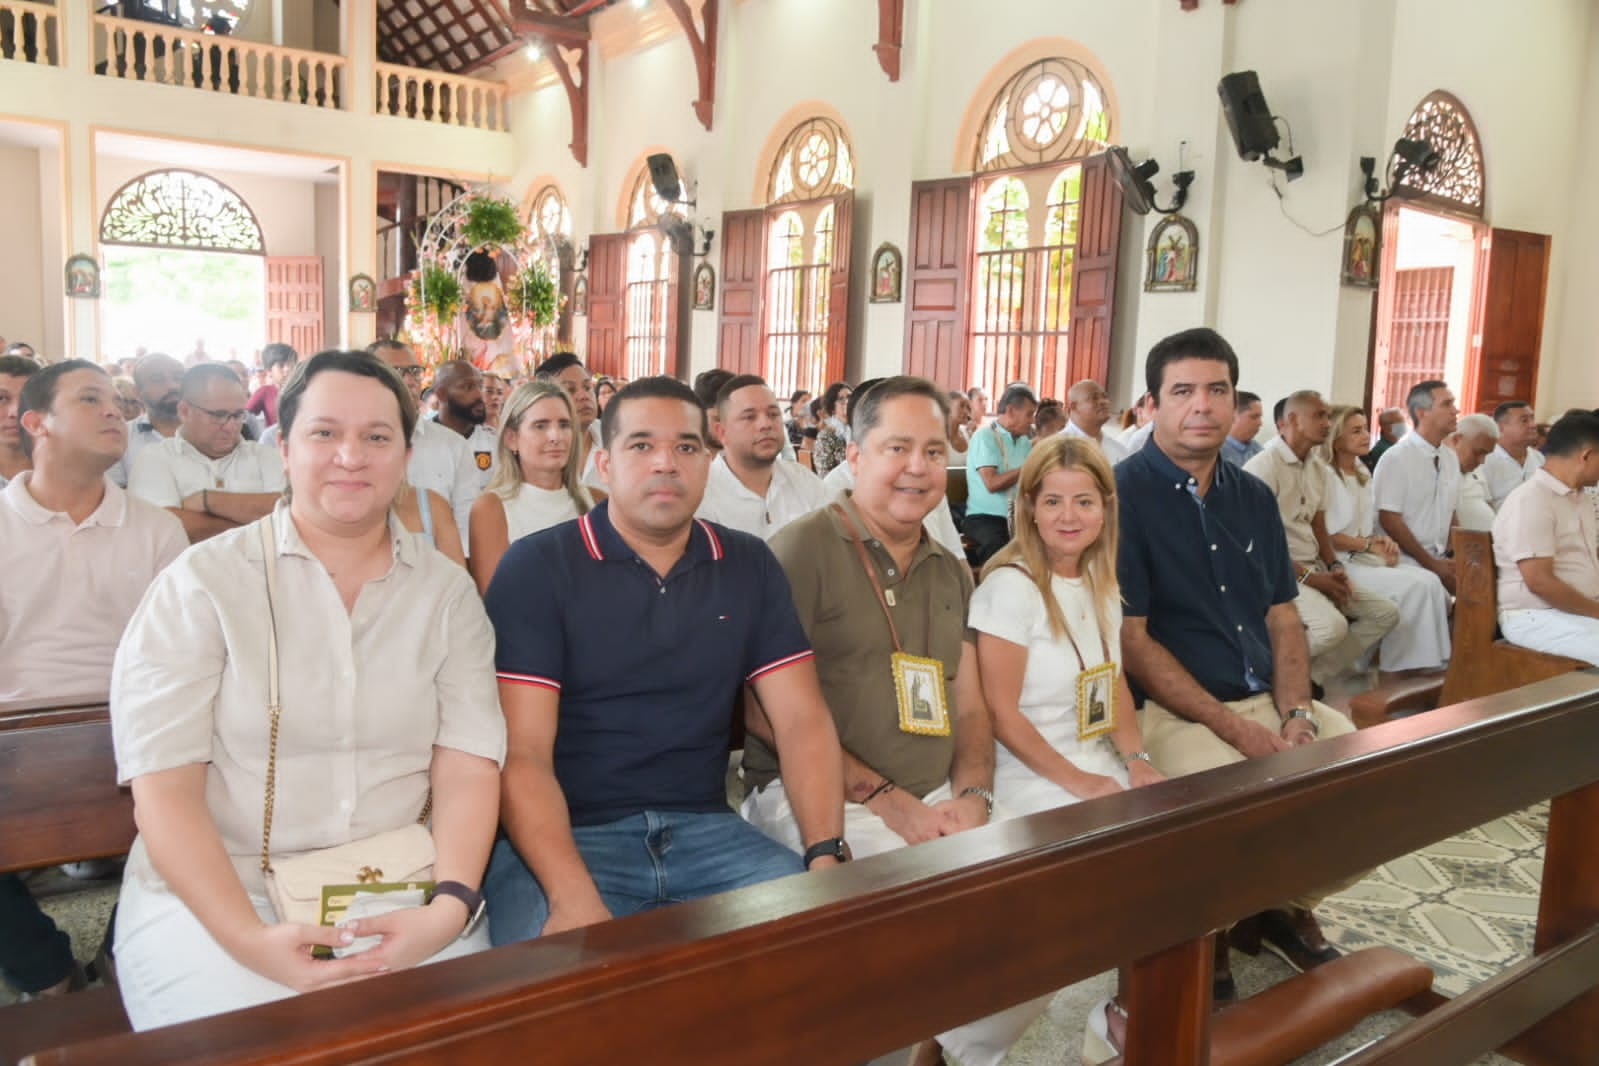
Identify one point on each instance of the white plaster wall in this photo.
(22, 281)
(1571, 377)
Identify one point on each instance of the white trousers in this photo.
(170, 969)
(1421, 639)
(1340, 638)
(980, 1043)
(1555, 632)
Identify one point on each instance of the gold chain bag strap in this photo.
(305, 887)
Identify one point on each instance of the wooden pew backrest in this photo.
(59, 800)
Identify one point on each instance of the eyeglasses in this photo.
(222, 416)
(412, 372)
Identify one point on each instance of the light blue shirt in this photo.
(993, 446)
(1238, 453)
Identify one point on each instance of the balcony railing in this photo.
(140, 51)
(447, 99)
(30, 33)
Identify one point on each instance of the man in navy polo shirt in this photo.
(1214, 646)
(624, 638)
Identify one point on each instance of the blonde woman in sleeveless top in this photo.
(535, 483)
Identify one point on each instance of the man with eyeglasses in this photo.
(441, 459)
(207, 474)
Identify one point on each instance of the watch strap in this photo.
(471, 897)
(831, 848)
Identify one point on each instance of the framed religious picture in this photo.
(83, 277)
(1362, 245)
(919, 688)
(704, 287)
(1096, 701)
(363, 293)
(888, 268)
(580, 295)
(1173, 256)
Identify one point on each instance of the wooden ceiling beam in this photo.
(702, 40)
(553, 27)
(890, 36)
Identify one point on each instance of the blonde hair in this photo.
(508, 480)
(1338, 417)
(1026, 546)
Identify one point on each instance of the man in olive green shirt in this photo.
(918, 741)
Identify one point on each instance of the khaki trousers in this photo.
(1337, 638)
(1179, 747)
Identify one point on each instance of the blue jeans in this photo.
(639, 862)
(34, 954)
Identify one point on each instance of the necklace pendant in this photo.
(888, 595)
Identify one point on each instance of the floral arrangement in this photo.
(532, 296)
(492, 222)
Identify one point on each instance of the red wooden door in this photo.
(839, 289)
(936, 280)
(607, 275)
(1509, 323)
(738, 326)
(294, 302)
(1093, 279)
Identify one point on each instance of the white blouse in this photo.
(534, 509)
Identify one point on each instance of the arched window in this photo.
(549, 216)
(1458, 183)
(650, 294)
(1050, 111)
(181, 209)
(551, 224)
(805, 283)
(1038, 132)
(645, 206)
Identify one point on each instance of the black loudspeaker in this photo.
(1248, 117)
(663, 175)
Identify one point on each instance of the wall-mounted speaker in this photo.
(663, 175)
(1253, 129)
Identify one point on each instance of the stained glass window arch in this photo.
(549, 216)
(1051, 110)
(181, 209)
(1459, 182)
(815, 160)
(645, 207)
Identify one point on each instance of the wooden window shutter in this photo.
(679, 303)
(839, 288)
(294, 302)
(607, 275)
(1509, 321)
(936, 279)
(1094, 275)
(738, 324)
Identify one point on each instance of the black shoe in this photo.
(1295, 937)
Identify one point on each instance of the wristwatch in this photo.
(978, 790)
(476, 905)
(831, 848)
(1308, 715)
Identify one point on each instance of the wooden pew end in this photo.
(1306, 1011)
(60, 1020)
(1406, 695)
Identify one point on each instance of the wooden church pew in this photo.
(848, 964)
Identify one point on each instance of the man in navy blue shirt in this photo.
(623, 641)
(1213, 643)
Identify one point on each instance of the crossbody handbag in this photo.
(298, 886)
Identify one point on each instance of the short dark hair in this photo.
(1246, 398)
(278, 354)
(1572, 433)
(708, 385)
(1277, 410)
(1013, 395)
(1419, 398)
(855, 398)
(830, 398)
(556, 363)
(1049, 409)
(196, 377)
(732, 385)
(385, 344)
(39, 391)
(18, 366)
(1201, 342)
(659, 387)
(869, 401)
(798, 395)
(361, 364)
(1508, 406)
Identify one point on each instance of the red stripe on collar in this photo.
(586, 528)
(716, 543)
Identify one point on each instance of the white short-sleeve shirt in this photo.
(1473, 509)
(70, 588)
(166, 472)
(366, 694)
(442, 462)
(1114, 449)
(140, 433)
(1545, 519)
(1421, 484)
(793, 493)
(1501, 473)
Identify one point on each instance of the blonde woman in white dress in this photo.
(536, 480)
(1048, 621)
(1421, 639)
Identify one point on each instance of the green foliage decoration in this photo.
(533, 294)
(437, 291)
(491, 222)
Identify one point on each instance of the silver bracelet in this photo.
(978, 790)
(1137, 756)
(1308, 715)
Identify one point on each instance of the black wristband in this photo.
(832, 847)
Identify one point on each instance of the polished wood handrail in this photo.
(846, 964)
(447, 99)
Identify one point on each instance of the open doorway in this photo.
(176, 301)
(1429, 293)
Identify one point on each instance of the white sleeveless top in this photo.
(535, 509)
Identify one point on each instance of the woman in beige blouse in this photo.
(387, 694)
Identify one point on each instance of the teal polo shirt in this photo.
(993, 446)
